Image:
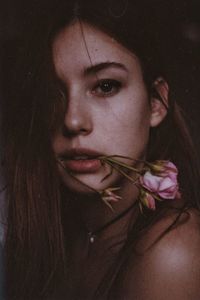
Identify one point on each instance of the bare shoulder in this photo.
(170, 267)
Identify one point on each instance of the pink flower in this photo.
(164, 183)
(147, 200)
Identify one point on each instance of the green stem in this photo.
(113, 161)
(122, 172)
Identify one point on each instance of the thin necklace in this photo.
(92, 234)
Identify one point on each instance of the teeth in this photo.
(80, 157)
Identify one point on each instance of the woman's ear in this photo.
(159, 101)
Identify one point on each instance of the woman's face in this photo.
(108, 110)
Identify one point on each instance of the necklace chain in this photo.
(93, 234)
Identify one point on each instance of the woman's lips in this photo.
(82, 165)
(81, 160)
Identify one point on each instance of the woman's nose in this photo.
(78, 120)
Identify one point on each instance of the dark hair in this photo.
(35, 246)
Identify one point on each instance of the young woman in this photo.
(90, 130)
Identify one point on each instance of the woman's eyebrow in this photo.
(104, 65)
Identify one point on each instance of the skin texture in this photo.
(117, 122)
(175, 257)
(114, 122)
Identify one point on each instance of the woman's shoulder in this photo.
(167, 263)
(173, 228)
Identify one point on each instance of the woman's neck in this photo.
(96, 218)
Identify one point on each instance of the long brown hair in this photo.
(35, 246)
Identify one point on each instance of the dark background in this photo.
(183, 65)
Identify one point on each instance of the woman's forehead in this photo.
(81, 45)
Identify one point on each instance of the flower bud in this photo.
(147, 200)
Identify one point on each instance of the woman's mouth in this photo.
(81, 160)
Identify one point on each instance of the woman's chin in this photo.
(89, 183)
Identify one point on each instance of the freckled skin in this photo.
(116, 123)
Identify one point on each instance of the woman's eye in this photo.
(107, 87)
